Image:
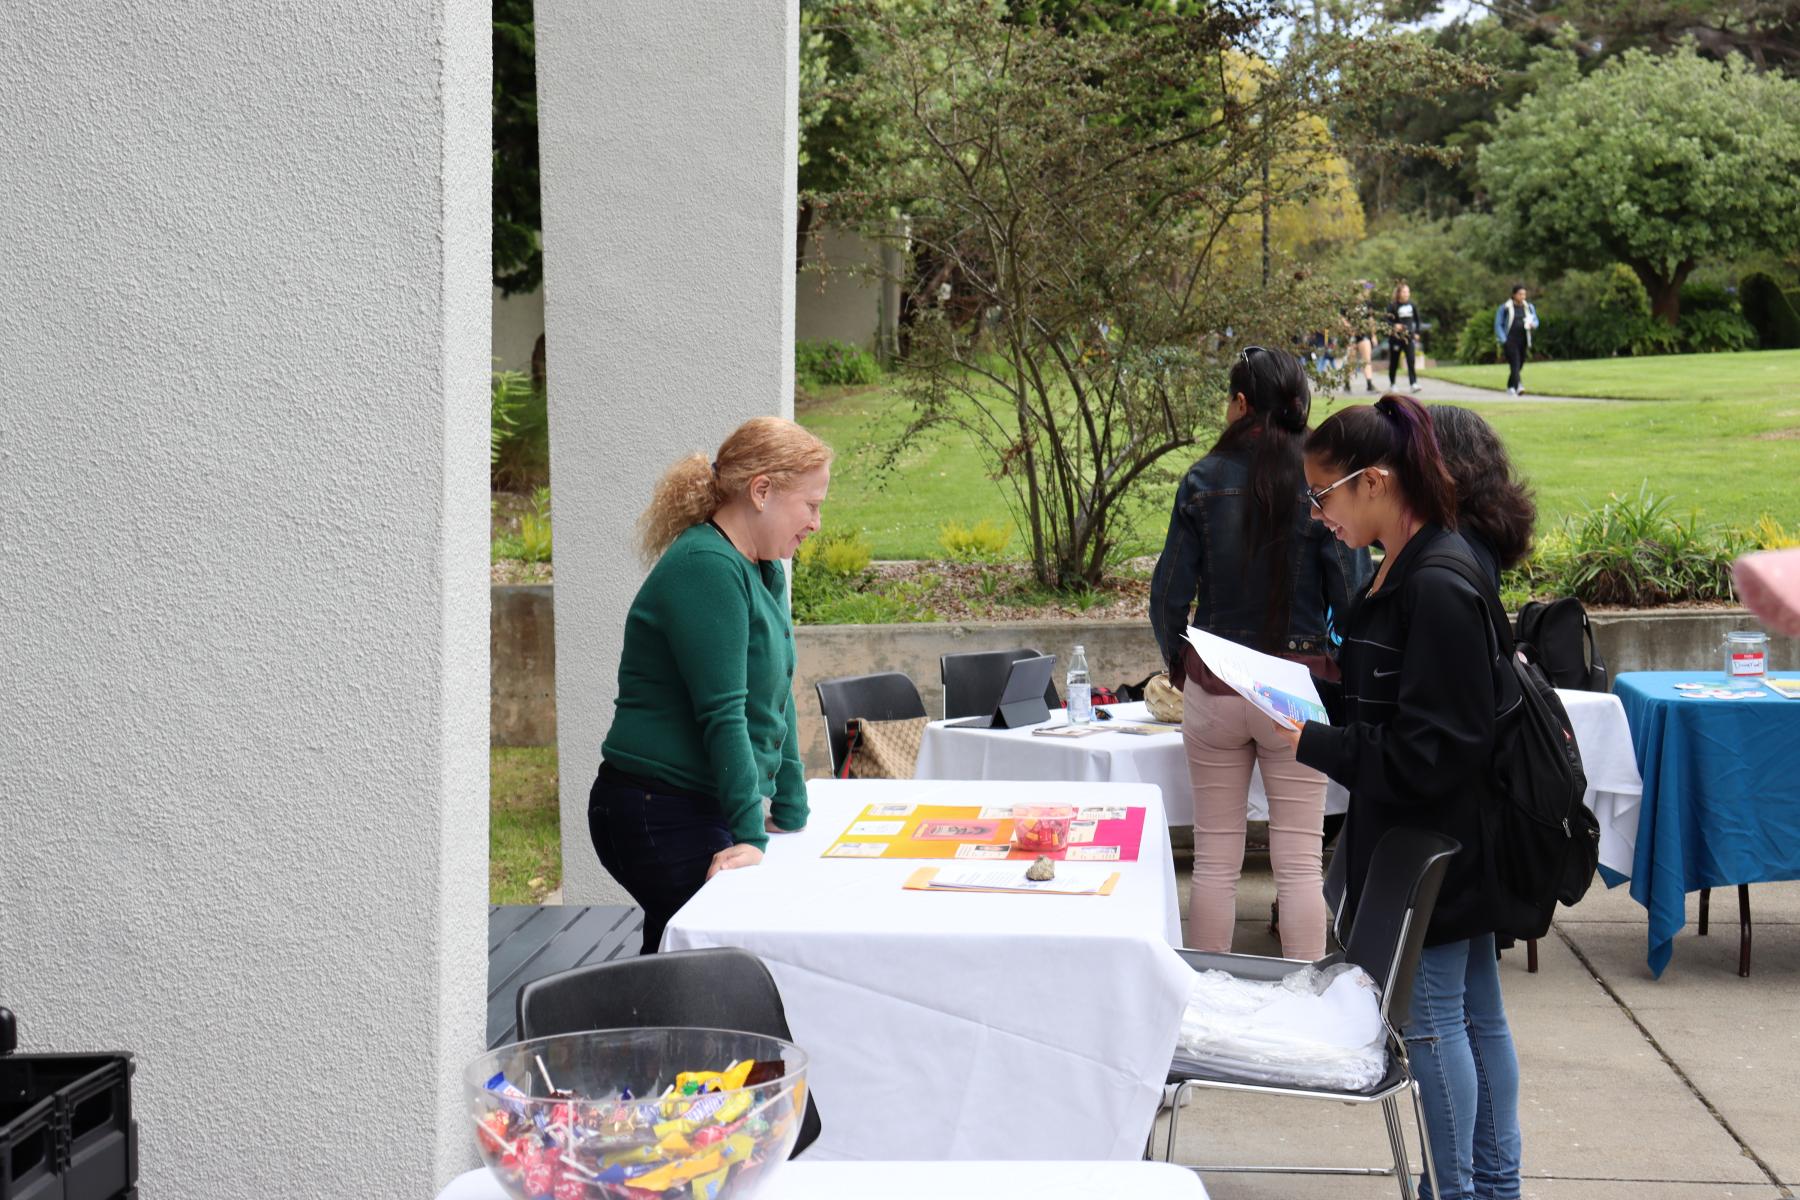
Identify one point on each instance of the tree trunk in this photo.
(808, 213)
(1665, 293)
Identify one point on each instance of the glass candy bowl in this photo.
(1042, 828)
(660, 1112)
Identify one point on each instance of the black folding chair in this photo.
(722, 988)
(889, 696)
(973, 681)
(1386, 935)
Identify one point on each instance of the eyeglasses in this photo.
(1318, 497)
(1248, 350)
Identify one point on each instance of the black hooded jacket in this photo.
(1416, 740)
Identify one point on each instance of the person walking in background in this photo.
(704, 728)
(1244, 558)
(1359, 340)
(1403, 336)
(1415, 749)
(1494, 510)
(1514, 321)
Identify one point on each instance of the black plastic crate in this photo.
(66, 1131)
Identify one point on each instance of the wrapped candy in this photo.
(684, 1145)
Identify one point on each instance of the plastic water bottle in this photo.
(1081, 695)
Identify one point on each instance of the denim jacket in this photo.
(1209, 569)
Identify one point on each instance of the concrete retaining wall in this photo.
(523, 687)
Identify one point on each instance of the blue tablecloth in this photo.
(1721, 794)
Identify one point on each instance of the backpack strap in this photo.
(1464, 566)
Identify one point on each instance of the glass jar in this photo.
(1746, 658)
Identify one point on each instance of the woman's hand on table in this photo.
(732, 857)
(770, 825)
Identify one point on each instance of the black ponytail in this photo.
(1273, 384)
(1395, 432)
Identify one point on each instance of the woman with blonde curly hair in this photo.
(703, 732)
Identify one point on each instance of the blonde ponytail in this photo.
(692, 490)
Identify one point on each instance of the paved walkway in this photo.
(1687, 1086)
(1442, 391)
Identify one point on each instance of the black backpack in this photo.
(1541, 844)
(1558, 638)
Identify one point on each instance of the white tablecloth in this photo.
(962, 1026)
(1615, 790)
(805, 1179)
(1110, 757)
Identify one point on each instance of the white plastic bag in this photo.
(1313, 1028)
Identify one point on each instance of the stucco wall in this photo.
(243, 749)
(836, 296)
(668, 136)
(517, 325)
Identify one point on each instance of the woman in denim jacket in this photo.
(1246, 560)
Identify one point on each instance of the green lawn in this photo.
(1769, 376)
(524, 837)
(1722, 439)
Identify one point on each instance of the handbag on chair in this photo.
(881, 749)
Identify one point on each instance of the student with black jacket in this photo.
(1415, 750)
(1403, 336)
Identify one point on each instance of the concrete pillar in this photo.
(243, 625)
(667, 140)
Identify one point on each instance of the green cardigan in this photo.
(706, 684)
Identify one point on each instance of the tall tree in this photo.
(1658, 162)
(518, 214)
(1075, 185)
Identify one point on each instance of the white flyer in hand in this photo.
(1282, 689)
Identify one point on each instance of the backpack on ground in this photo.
(1541, 842)
(1558, 637)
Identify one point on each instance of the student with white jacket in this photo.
(1513, 322)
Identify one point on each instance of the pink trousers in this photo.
(1225, 738)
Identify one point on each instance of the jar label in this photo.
(1746, 664)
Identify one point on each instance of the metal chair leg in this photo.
(1174, 1119)
(1390, 1115)
(1424, 1141)
(1531, 956)
(1705, 907)
(1743, 931)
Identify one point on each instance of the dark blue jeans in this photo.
(657, 844)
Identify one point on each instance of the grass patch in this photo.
(524, 830)
(1722, 442)
(1765, 376)
(940, 479)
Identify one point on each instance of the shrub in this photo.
(1475, 343)
(1715, 330)
(1771, 311)
(521, 434)
(509, 391)
(828, 568)
(829, 364)
(1632, 551)
(1597, 314)
(984, 542)
(1770, 534)
(534, 528)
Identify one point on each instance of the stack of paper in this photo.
(1069, 881)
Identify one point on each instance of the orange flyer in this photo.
(1100, 833)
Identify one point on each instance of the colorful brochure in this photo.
(970, 833)
(1281, 689)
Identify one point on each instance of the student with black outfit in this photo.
(1403, 335)
(1415, 749)
(1513, 322)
